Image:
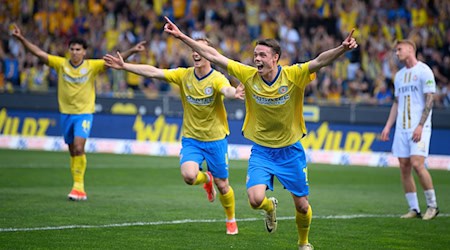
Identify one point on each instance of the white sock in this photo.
(430, 196)
(413, 202)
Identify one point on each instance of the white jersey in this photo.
(410, 86)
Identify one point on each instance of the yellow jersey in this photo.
(204, 117)
(76, 85)
(274, 111)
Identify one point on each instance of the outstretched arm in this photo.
(35, 50)
(232, 92)
(327, 57)
(136, 48)
(140, 69)
(203, 49)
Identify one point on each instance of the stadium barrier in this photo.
(326, 142)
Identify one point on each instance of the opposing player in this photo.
(274, 122)
(76, 98)
(411, 111)
(205, 125)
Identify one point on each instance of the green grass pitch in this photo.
(141, 202)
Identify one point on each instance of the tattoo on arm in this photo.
(427, 109)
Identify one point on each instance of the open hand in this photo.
(114, 62)
(240, 92)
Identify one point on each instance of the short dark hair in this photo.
(271, 43)
(80, 41)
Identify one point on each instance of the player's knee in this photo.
(189, 179)
(302, 208)
(222, 185)
(254, 203)
(78, 150)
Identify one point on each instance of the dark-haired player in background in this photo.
(76, 98)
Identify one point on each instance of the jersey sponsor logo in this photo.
(75, 80)
(407, 89)
(200, 101)
(283, 89)
(429, 82)
(208, 90)
(271, 101)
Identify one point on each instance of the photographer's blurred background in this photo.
(304, 28)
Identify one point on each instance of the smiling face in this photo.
(199, 61)
(77, 53)
(265, 59)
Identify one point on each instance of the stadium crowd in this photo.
(304, 29)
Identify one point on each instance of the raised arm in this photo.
(140, 69)
(327, 57)
(35, 50)
(203, 49)
(136, 48)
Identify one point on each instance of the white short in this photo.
(403, 145)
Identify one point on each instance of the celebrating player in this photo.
(205, 125)
(274, 122)
(76, 98)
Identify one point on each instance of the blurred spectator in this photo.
(383, 95)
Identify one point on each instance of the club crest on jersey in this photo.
(83, 71)
(208, 91)
(282, 89)
(415, 78)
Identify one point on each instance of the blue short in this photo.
(288, 164)
(76, 126)
(215, 153)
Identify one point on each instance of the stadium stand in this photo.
(304, 29)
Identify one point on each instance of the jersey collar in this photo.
(199, 79)
(74, 65)
(275, 79)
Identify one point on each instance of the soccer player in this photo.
(274, 122)
(411, 111)
(76, 98)
(205, 125)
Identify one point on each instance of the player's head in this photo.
(266, 55)
(199, 61)
(77, 49)
(405, 49)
